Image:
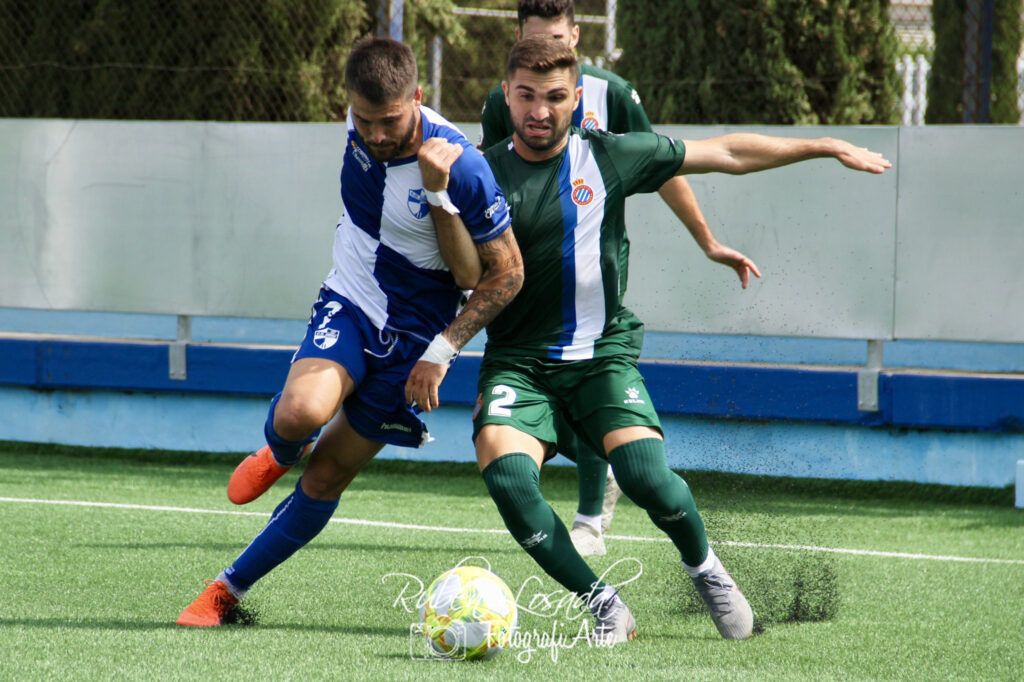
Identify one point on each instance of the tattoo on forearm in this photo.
(501, 281)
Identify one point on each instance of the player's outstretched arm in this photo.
(741, 153)
(678, 195)
(501, 280)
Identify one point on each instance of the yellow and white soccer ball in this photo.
(469, 613)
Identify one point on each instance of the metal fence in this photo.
(463, 74)
(912, 21)
(913, 71)
(255, 60)
(281, 59)
(458, 89)
(461, 79)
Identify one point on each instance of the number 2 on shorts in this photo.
(500, 407)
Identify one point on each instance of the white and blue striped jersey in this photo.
(386, 257)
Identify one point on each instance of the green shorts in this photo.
(555, 401)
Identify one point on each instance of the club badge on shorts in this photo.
(325, 338)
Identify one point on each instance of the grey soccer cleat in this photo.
(729, 608)
(588, 542)
(612, 493)
(615, 623)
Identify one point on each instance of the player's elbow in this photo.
(734, 164)
(467, 280)
(510, 281)
(516, 279)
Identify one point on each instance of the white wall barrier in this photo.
(237, 220)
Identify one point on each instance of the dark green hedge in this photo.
(177, 59)
(761, 61)
(946, 80)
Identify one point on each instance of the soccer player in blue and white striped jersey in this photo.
(391, 315)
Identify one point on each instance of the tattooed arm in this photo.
(501, 280)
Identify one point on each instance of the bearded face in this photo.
(387, 129)
(541, 106)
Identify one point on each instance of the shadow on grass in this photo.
(122, 625)
(462, 479)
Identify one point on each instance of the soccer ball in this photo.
(469, 613)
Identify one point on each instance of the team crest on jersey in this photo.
(590, 121)
(582, 193)
(325, 338)
(417, 203)
(360, 156)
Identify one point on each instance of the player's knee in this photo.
(643, 475)
(295, 417)
(513, 482)
(321, 485)
(637, 488)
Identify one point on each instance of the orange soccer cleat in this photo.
(210, 608)
(255, 474)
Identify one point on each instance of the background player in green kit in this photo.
(565, 350)
(607, 103)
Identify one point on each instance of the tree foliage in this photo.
(761, 61)
(946, 79)
(179, 59)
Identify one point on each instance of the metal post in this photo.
(972, 70)
(610, 37)
(435, 57)
(396, 18)
(867, 378)
(904, 67)
(922, 67)
(1020, 87)
(382, 18)
(177, 360)
(985, 89)
(1019, 502)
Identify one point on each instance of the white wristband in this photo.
(441, 200)
(440, 352)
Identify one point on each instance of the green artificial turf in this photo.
(93, 592)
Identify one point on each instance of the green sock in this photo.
(592, 470)
(644, 476)
(513, 481)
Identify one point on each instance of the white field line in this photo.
(502, 531)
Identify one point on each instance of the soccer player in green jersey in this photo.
(610, 103)
(565, 350)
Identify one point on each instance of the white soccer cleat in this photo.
(729, 608)
(587, 540)
(612, 493)
(614, 621)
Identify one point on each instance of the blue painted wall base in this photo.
(234, 424)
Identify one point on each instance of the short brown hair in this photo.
(542, 53)
(546, 9)
(381, 70)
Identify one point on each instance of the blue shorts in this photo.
(379, 363)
